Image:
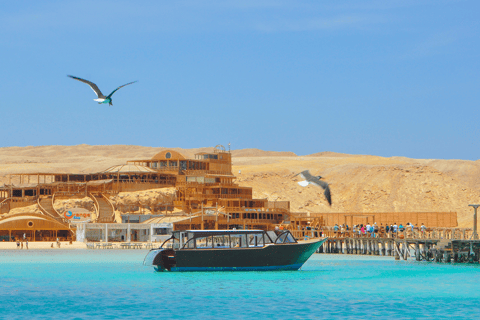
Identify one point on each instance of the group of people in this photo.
(20, 243)
(311, 232)
(25, 239)
(374, 230)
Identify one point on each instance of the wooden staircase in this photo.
(105, 209)
(45, 205)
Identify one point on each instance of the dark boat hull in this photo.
(287, 256)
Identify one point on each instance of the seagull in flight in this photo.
(316, 181)
(101, 98)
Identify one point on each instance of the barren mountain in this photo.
(359, 183)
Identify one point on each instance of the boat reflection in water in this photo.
(231, 250)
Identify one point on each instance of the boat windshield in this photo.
(285, 237)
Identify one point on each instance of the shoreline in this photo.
(43, 245)
(65, 245)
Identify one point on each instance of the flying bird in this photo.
(309, 179)
(101, 98)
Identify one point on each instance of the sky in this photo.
(386, 78)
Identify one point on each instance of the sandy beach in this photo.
(64, 245)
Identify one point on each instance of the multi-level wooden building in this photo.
(205, 190)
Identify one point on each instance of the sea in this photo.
(114, 284)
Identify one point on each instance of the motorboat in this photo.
(231, 250)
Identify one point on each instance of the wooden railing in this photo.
(111, 206)
(417, 233)
(96, 206)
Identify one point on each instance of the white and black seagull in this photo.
(101, 98)
(316, 181)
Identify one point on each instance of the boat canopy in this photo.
(222, 239)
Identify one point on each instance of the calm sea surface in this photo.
(111, 284)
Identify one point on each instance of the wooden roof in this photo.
(174, 155)
(31, 221)
(129, 168)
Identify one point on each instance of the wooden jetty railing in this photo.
(429, 233)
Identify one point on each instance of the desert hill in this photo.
(359, 183)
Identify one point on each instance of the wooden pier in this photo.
(459, 245)
(440, 250)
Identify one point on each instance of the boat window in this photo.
(190, 244)
(259, 240)
(189, 241)
(238, 240)
(253, 240)
(204, 242)
(221, 241)
(180, 240)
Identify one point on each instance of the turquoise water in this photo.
(112, 284)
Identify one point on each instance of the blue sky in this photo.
(388, 78)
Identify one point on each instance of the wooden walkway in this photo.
(440, 250)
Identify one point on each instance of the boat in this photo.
(231, 250)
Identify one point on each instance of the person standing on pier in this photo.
(387, 230)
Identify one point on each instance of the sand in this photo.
(43, 245)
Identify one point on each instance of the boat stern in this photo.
(160, 259)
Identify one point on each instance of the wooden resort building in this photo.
(206, 195)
